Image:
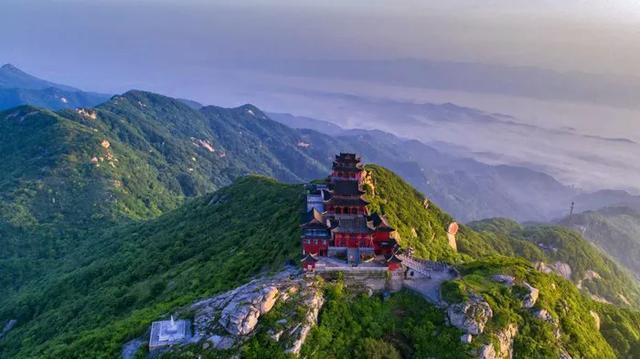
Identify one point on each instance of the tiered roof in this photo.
(347, 201)
(352, 225)
(347, 188)
(347, 162)
(315, 220)
(379, 223)
(346, 157)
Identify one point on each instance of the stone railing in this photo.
(423, 266)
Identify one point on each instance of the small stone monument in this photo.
(168, 332)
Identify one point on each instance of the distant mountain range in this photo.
(616, 230)
(101, 231)
(19, 88)
(467, 188)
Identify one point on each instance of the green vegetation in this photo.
(620, 327)
(422, 229)
(139, 272)
(66, 176)
(549, 244)
(616, 230)
(92, 251)
(570, 310)
(358, 326)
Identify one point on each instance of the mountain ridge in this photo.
(137, 272)
(18, 87)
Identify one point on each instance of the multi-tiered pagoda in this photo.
(342, 227)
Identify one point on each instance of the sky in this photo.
(229, 53)
(99, 44)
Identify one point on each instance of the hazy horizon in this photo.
(554, 66)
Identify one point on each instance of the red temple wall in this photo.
(320, 248)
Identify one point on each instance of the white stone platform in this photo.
(169, 332)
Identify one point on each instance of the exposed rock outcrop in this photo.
(470, 316)
(560, 268)
(487, 352)
(239, 317)
(87, 113)
(227, 320)
(367, 181)
(545, 316)
(313, 302)
(238, 310)
(505, 339)
(588, 275)
(504, 279)
(221, 342)
(564, 354)
(596, 318)
(452, 230)
(532, 297)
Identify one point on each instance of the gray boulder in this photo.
(470, 316)
(221, 342)
(504, 279)
(532, 297)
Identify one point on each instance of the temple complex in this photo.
(338, 224)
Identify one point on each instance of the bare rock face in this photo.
(466, 338)
(505, 338)
(221, 342)
(564, 355)
(560, 268)
(239, 319)
(596, 318)
(240, 315)
(505, 343)
(545, 316)
(367, 180)
(470, 316)
(532, 297)
(269, 296)
(238, 311)
(487, 352)
(504, 279)
(313, 302)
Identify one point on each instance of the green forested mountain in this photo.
(107, 222)
(69, 174)
(558, 250)
(131, 274)
(424, 231)
(616, 230)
